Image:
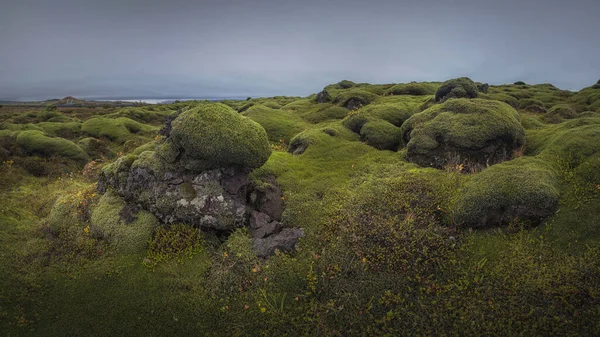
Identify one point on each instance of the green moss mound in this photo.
(354, 98)
(524, 189)
(558, 113)
(95, 148)
(381, 135)
(415, 89)
(463, 131)
(213, 135)
(108, 222)
(532, 105)
(567, 143)
(462, 87)
(36, 142)
(68, 130)
(116, 129)
(317, 116)
(279, 124)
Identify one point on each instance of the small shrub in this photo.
(174, 242)
(519, 83)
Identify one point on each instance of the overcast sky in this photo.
(185, 48)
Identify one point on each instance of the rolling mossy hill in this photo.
(455, 208)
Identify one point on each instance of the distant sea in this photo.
(171, 100)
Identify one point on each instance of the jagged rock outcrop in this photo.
(199, 176)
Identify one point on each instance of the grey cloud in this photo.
(231, 47)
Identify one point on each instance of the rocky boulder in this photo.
(199, 176)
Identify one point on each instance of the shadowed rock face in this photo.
(220, 199)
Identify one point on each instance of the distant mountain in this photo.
(69, 100)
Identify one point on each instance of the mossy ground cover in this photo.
(384, 252)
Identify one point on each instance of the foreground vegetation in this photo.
(390, 247)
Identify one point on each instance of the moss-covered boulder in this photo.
(36, 142)
(461, 131)
(523, 189)
(354, 98)
(462, 87)
(214, 135)
(381, 135)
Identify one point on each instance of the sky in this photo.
(218, 48)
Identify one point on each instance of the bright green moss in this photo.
(534, 105)
(119, 129)
(523, 188)
(463, 124)
(107, 222)
(457, 88)
(381, 135)
(36, 142)
(213, 135)
(416, 89)
(279, 124)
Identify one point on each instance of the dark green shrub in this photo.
(483, 87)
(462, 87)
(519, 83)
